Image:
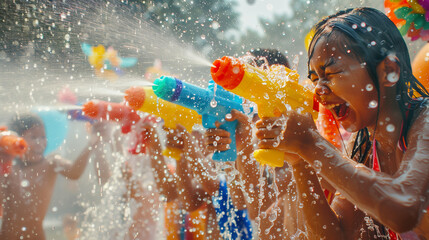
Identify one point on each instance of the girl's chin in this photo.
(349, 126)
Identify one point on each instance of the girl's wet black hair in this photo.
(370, 36)
(24, 121)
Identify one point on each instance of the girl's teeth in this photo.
(330, 106)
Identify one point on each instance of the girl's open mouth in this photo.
(341, 111)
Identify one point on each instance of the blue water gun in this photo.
(213, 104)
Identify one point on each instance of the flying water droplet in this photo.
(25, 183)
(213, 103)
(392, 77)
(317, 165)
(369, 87)
(390, 128)
(373, 104)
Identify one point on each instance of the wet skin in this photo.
(28, 189)
(341, 86)
(402, 184)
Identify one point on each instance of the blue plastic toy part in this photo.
(213, 104)
(234, 224)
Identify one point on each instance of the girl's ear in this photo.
(388, 71)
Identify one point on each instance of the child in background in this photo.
(187, 213)
(135, 176)
(28, 189)
(228, 199)
(385, 177)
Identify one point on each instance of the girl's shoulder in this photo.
(419, 126)
(421, 112)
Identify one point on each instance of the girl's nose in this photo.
(322, 89)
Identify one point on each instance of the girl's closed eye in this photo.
(313, 76)
(334, 73)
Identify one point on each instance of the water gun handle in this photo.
(231, 153)
(271, 157)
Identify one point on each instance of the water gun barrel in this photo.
(184, 94)
(12, 144)
(200, 99)
(101, 110)
(274, 91)
(144, 99)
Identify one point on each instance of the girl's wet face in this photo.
(343, 85)
(36, 140)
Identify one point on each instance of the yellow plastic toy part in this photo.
(174, 153)
(273, 91)
(144, 99)
(270, 157)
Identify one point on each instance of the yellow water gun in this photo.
(144, 99)
(274, 91)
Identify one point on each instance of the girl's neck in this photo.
(387, 129)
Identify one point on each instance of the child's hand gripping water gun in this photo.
(274, 91)
(144, 99)
(117, 112)
(213, 104)
(12, 145)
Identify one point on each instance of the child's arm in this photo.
(395, 200)
(247, 166)
(75, 170)
(198, 162)
(164, 179)
(321, 220)
(189, 194)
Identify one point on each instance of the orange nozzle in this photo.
(13, 145)
(135, 97)
(90, 109)
(227, 72)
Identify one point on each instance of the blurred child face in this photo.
(343, 85)
(36, 140)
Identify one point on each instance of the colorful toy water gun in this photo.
(106, 63)
(144, 99)
(213, 104)
(124, 115)
(274, 91)
(11, 145)
(410, 16)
